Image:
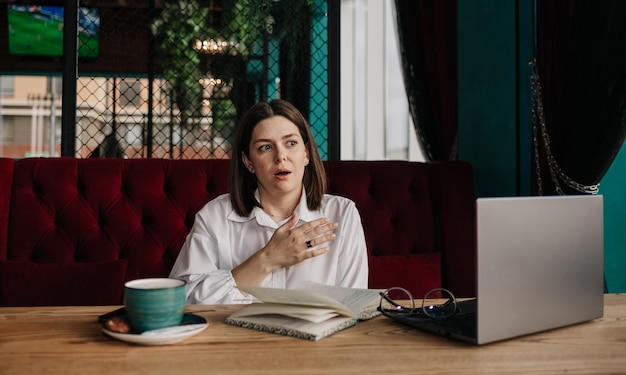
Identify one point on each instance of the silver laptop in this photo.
(540, 266)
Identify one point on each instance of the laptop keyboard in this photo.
(463, 323)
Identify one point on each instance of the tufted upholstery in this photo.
(73, 230)
(419, 221)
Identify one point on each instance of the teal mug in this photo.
(154, 303)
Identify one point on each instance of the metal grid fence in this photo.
(169, 79)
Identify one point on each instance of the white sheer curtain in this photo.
(375, 120)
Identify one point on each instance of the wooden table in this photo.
(68, 340)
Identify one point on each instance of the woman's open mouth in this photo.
(282, 174)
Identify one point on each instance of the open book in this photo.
(312, 311)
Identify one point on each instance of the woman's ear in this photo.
(247, 162)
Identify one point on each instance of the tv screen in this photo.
(37, 30)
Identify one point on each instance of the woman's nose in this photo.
(280, 154)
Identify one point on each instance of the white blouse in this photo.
(220, 240)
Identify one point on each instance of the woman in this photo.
(276, 228)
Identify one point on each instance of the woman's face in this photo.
(278, 156)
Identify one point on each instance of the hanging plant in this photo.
(174, 31)
(188, 47)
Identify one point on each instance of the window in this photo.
(130, 93)
(375, 119)
(7, 86)
(7, 130)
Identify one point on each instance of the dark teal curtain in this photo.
(581, 61)
(428, 48)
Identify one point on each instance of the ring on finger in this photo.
(309, 244)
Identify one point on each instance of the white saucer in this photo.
(161, 338)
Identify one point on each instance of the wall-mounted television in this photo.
(37, 30)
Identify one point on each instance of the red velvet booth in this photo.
(73, 230)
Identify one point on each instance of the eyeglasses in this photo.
(398, 301)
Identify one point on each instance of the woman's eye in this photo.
(292, 143)
(265, 147)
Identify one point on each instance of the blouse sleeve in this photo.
(353, 263)
(198, 264)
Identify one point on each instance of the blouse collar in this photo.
(302, 209)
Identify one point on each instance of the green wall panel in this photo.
(487, 90)
(612, 187)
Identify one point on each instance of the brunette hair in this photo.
(243, 183)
